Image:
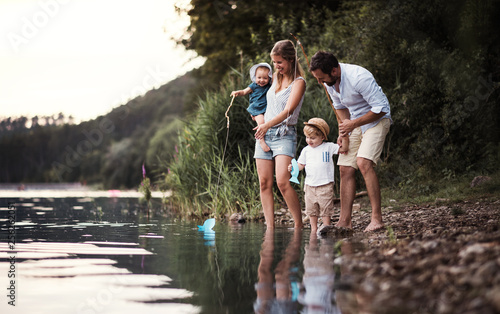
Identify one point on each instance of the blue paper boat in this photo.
(295, 171)
(207, 225)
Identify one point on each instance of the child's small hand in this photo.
(236, 93)
(290, 168)
(343, 143)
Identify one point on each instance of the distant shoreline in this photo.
(62, 190)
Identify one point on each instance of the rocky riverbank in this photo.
(442, 257)
(429, 259)
(435, 258)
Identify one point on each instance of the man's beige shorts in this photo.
(368, 145)
(319, 200)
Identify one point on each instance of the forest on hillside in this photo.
(437, 61)
(107, 151)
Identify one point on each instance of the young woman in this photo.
(284, 101)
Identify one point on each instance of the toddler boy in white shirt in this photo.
(316, 158)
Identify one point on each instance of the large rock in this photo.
(479, 180)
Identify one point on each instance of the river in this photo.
(107, 255)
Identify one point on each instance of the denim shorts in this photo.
(285, 145)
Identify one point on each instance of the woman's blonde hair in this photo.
(286, 50)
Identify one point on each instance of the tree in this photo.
(222, 31)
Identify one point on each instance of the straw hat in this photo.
(253, 69)
(320, 124)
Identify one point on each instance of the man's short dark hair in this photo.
(325, 61)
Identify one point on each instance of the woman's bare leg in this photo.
(265, 169)
(286, 189)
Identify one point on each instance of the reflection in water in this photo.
(319, 277)
(209, 237)
(77, 283)
(66, 261)
(282, 291)
(106, 256)
(279, 297)
(63, 277)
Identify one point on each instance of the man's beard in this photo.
(333, 80)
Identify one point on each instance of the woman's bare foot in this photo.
(374, 226)
(264, 146)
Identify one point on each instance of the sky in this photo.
(85, 57)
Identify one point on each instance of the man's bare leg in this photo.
(326, 220)
(373, 189)
(347, 193)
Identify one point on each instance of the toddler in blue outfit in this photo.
(261, 75)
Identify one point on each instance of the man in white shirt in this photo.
(365, 113)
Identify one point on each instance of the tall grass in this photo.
(210, 177)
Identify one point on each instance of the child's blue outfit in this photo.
(258, 102)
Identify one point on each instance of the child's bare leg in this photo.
(314, 223)
(260, 120)
(345, 145)
(326, 220)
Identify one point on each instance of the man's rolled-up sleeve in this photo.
(373, 94)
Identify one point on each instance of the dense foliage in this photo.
(437, 61)
(224, 31)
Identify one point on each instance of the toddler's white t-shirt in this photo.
(319, 163)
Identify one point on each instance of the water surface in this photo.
(105, 255)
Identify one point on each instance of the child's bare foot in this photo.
(264, 146)
(374, 226)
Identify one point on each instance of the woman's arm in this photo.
(298, 90)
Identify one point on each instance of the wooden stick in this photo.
(339, 120)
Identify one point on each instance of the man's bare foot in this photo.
(264, 146)
(374, 226)
(341, 224)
